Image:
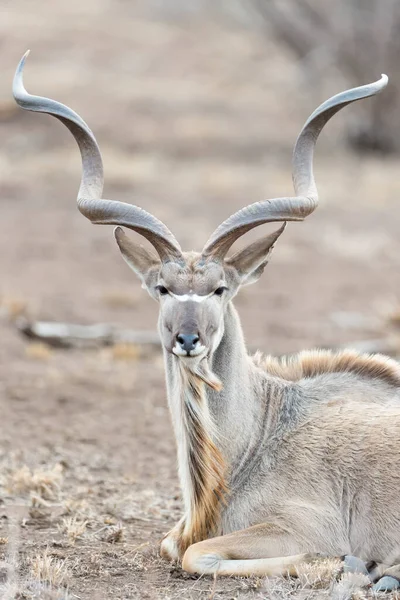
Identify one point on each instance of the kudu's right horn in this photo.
(298, 207)
(90, 203)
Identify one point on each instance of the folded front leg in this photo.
(266, 550)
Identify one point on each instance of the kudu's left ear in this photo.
(252, 260)
(143, 262)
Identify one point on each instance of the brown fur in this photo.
(311, 363)
(207, 466)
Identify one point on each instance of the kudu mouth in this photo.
(196, 353)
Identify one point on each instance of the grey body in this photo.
(278, 460)
(319, 456)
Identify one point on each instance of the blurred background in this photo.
(196, 105)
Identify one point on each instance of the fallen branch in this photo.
(69, 335)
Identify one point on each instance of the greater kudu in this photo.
(277, 458)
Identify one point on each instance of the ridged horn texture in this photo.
(99, 211)
(306, 200)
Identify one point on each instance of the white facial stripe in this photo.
(191, 297)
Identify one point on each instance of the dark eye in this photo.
(219, 291)
(163, 290)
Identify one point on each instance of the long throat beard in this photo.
(204, 472)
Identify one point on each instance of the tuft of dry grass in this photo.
(80, 508)
(38, 351)
(46, 483)
(73, 528)
(53, 571)
(113, 534)
(319, 574)
(32, 591)
(350, 586)
(277, 588)
(317, 580)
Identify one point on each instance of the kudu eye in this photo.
(162, 290)
(219, 291)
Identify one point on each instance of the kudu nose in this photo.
(187, 341)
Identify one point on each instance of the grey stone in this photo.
(386, 584)
(353, 564)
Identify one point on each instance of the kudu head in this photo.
(193, 289)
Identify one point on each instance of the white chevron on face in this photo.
(190, 297)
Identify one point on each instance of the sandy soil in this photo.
(195, 119)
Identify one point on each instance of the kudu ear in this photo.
(252, 260)
(143, 262)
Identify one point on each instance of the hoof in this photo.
(386, 584)
(353, 564)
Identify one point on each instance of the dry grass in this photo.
(113, 534)
(32, 591)
(320, 574)
(79, 507)
(46, 483)
(322, 579)
(53, 571)
(277, 588)
(73, 527)
(351, 586)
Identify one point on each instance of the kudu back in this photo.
(280, 460)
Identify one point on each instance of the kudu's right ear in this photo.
(142, 261)
(252, 260)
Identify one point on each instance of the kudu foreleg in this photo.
(265, 550)
(170, 548)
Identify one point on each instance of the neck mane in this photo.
(203, 404)
(203, 470)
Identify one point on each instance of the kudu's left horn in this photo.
(298, 207)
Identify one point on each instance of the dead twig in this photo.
(70, 335)
(213, 587)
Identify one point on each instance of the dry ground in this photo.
(194, 118)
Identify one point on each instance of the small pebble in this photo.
(386, 584)
(353, 564)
